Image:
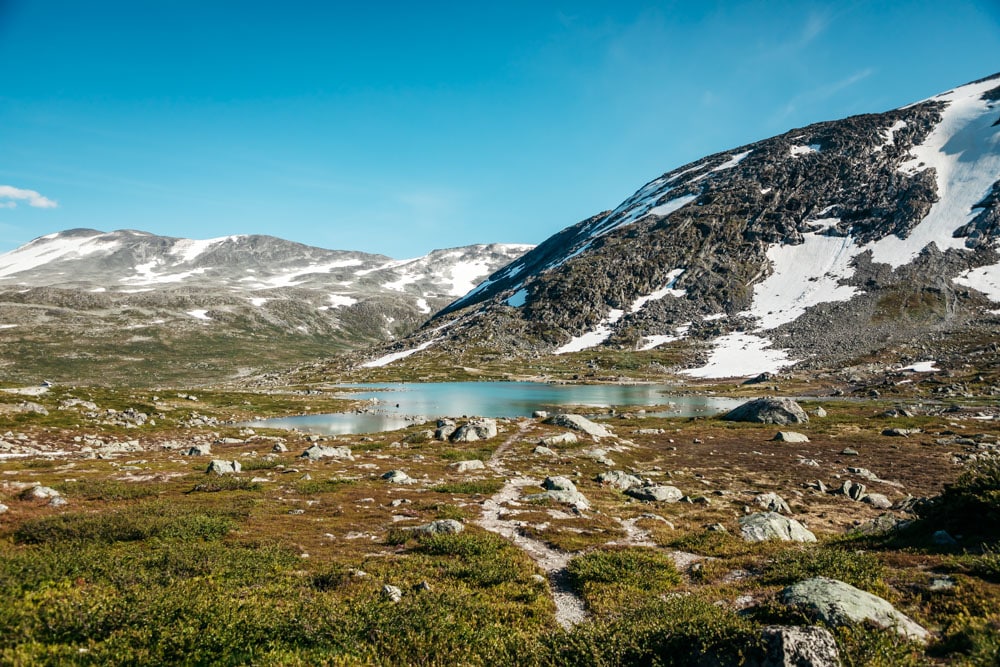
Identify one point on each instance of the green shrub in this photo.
(857, 568)
(308, 487)
(970, 506)
(109, 490)
(633, 567)
(226, 483)
(125, 525)
(483, 487)
(259, 463)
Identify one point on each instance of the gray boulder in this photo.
(279, 448)
(769, 411)
(561, 490)
(219, 467)
(790, 436)
(317, 452)
(764, 526)
(540, 414)
(3, 508)
(794, 646)
(853, 490)
(772, 502)
(656, 493)
(578, 423)
(479, 429)
(441, 527)
(466, 466)
(618, 479)
(556, 440)
(542, 450)
(837, 603)
(203, 449)
(392, 593)
(445, 427)
(39, 493)
(398, 477)
(877, 500)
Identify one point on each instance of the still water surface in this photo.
(401, 404)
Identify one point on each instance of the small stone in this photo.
(58, 501)
(542, 450)
(765, 526)
(203, 449)
(618, 479)
(790, 436)
(819, 412)
(441, 527)
(848, 451)
(392, 593)
(317, 452)
(3, 508)
(792, 646)
(772, 502)
(877, 500)
(562, 439)
(279, 448)
(656, 493)
(943, 538)
(540, 414)
(467, 466)
(39, 493)
(219, 467)
(398, 477)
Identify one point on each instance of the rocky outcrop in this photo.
(560, 490)
(578, 423)
(764, 526)
(837, 603)
(317, 452)
(768, 411)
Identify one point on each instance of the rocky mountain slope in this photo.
(817, 246)
(84, 297)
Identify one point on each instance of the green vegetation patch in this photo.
(483, 487)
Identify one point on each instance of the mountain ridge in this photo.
(790, 249)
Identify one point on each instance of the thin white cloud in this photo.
(10, 196)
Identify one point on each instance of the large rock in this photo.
(219, 467)
(769, 411)
(578, 423)
(619, 479)
(3, 508)
(764, 526)
(440, 527)
(794, 646)
(201, 449)
(473, 431)
(837, 603)
(466, 466)
(39, 493)
(561, 490)
(398, 477)
(317, 452)
(772, 502)
(556, 440)
(656, 493)
(790, 436)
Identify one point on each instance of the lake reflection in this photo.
(401, 404)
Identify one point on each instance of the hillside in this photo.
(821, 246)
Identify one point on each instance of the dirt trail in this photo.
(570, 609)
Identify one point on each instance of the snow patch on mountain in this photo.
(985, 279)
(667, 290)
(49, 248)
(741, 355)
(964, 151)
(595, 337)
(396, 356)
(803, 276)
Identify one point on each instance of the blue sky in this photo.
(398, 127)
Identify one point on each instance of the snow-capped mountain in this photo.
(158, 288)
(817, 246)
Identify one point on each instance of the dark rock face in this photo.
(768, 411)
(706, 229)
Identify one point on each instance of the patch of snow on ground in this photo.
(660, 293)
(7, 326)
(50, 248)
(466, 275)
(922, 367)
(985, 279)
(650, 342)
(593, 338)
(399, 284)
(964, 150)
(712, 318)
(98, 290)
(396, 356)
(145, 275)
(741, 355)
(188, 250)
(423, 307)
(199, 314)
(674, 204)
(804, 275)
(733, 161)
(890, 134)
(518, 298)
(824, 223)
(804, 150)
(258, 301)
(341, 300)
